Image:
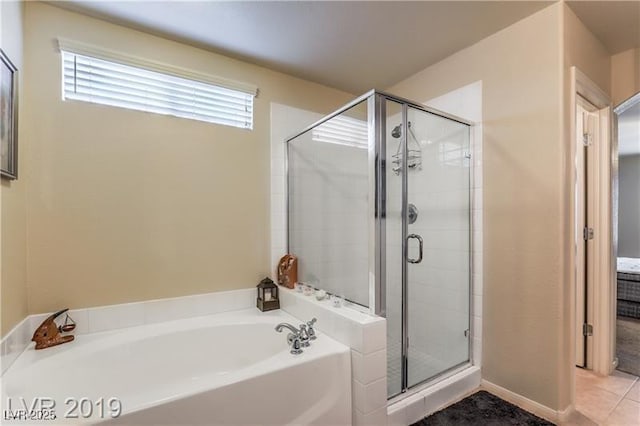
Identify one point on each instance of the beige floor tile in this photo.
(618, 383)
(634, 393)
(627, 413)
(596, 403)
(578, 419)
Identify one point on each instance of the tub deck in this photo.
(229, 368)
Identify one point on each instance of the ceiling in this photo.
(629, 131)
(353, 46)
(615, 23)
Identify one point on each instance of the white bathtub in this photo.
(230, 368)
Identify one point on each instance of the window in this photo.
(101, 81)
(343, 130)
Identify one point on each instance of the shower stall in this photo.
(379, 214)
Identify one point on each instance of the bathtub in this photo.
(229, 368)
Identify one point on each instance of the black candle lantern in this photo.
(267, 295)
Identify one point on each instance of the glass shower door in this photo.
(437, 229)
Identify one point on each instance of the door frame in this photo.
(604, 291)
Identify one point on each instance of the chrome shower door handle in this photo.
(420, 248)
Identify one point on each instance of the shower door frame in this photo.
(377, 250)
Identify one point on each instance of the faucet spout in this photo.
(291, 328)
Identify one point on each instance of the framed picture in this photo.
(8, 118)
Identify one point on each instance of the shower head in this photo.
(397, 131)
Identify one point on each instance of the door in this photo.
(587, 121)
(437, 244)
(426, 230)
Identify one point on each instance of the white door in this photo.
(587, 131)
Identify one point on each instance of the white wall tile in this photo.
(477, 352)
(397, 414)
(115, 316)
(375, 418)
(369, 368)
(374, 337)
(370, 397)
(168, 309)
(477, 284)
(465, 102)
(477, 306)
(14, 343)
(414, 408)
(81, 318)
(476, 324)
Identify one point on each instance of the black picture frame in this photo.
(8, 118)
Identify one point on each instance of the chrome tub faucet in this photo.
(294, 338)
(299, 338)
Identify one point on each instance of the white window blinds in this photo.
(91, 79)
(343, 130)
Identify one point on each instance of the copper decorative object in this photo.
(48, 333)
(288, 271)
(268, 299)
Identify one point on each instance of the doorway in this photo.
(627, 121)
(601, 393)
(593, 231)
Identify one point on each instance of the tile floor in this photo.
(606, 401)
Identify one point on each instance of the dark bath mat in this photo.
(482, 409)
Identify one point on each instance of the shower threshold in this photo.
(436, 393)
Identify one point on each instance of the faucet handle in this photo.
(295, 343)
(305, 336)
(311, 330)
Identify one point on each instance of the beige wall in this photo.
(625, 75)
(584, 51)
(126, 205)
(521, 72)
(13, 230)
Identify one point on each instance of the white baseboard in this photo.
(564, 415)
(527, 404)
